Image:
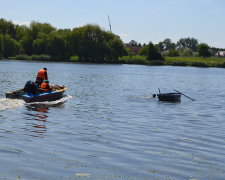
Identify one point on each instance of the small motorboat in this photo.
(55, 94)
(175, 97)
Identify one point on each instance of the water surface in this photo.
(108, 126)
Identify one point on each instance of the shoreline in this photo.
(216, 62)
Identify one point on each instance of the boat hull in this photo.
(48, 96)
(174, 97)
(14, 94)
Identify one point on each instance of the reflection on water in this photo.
(37, 115)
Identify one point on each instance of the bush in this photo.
(41, 57)
(186, 52)
(33, 57)
(173, 53)
(180, 63)
(221, 65)
(133, 60)
(74, 58)
(154, 53)
(22, 57)
(199, 64)
(156, 62)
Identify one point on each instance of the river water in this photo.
(108, 126)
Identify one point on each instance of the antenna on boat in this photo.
(109, 24)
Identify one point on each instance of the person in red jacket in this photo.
(45, 86)
(41, 76)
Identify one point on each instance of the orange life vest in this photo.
(41, 74)
(45, 87)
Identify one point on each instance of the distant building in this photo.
(133, 49)
(220, 54)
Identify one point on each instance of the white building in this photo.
(220, 54)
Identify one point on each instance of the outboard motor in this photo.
(31, 87)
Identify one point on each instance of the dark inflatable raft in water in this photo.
(175, 97)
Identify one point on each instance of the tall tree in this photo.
(115, 49)
(1, 46)
(153, 52)
(11, 46)
(26, 44)
(166, 45)
(56, 46)
(191, 43)
(36, 27)
(7, 27)
(66, 35)
(144, 51)
(40, 44)
(133, 43)
(91, 43)
(21, 31)
(203, 50)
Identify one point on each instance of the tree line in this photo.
(186, 47)
(89, 43)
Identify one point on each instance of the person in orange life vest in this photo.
(41, 76)
(45, 86)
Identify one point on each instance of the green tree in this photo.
(133, 43)
(173, 53)
(1, 45)
(36, 28)
(33, 39)
(92, 44)
(115, 49)
(185, 52)
(7, 27)
(40, 44)
(203, 50)
(21, 31)
(56, 46)
(11, 46)
(153, 52)
(26, 44)
(66, 35)
(191, 43)
(166, 45)
(143, 51)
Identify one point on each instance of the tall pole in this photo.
(109, 24)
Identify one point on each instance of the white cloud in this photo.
(159, 33)
(217, 44)
(124, 35)
(156, 9)
(22, 23)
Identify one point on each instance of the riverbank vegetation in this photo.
(90, 43)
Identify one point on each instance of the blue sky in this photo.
(139, 20)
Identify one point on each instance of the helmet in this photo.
(45, 68)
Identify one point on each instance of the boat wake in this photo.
(140, 98)
(63, 99)
(6, 103)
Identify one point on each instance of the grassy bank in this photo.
(195, 61)
(177, 61)
(173, 61)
